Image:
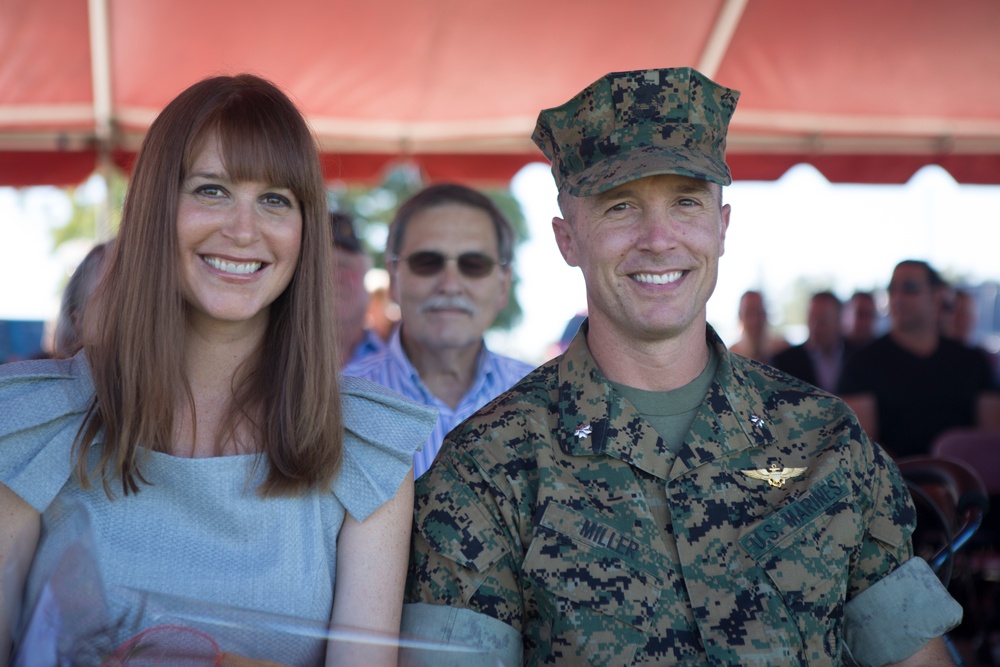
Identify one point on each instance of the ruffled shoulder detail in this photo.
(382, 430)
(42, 404)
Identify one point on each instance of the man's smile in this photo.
(657, 278)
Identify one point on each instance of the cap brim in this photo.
(649, 161)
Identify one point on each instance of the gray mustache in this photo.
(456, 302)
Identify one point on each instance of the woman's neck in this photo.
(214, 363)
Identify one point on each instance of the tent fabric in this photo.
(865, 91)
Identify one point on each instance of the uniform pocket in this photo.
(590, 562)
(806, 550)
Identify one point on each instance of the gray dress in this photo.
(198, 539)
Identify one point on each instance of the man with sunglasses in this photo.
(449, 256)
(912, 384)
(649, 497)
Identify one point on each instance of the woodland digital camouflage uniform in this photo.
(560, 512)
(556, 518)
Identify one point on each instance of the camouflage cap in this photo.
(628, 125)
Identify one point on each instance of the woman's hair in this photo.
(68, 337)
(285, 397)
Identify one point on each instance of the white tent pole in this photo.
(722, 34)
(100, 68)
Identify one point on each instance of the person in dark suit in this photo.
(818, 360)
(859, 320)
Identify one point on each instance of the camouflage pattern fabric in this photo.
(628, 125)
(559, 511)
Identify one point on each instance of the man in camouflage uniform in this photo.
(648, 497)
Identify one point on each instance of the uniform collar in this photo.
(596, 420)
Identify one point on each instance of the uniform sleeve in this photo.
(382, 430)
(455, 637)
(895, 602)
(898, 615)
(889, 515)
(42, 406)
(465, 552)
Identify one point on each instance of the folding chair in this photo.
(980, 449)
(979, 565)
(951, 500)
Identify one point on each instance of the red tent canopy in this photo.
(865, 91)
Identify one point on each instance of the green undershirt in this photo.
(671, 413)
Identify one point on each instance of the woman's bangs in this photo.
(269, 153)
(261, 146)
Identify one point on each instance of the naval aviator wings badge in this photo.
(775, 474)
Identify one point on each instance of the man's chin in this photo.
(668, 329)
(455, 343)
(451, 340)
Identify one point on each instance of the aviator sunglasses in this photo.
(430, 262)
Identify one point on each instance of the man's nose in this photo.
(451, 278)
(657, 231)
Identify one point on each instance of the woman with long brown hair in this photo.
(201, 431)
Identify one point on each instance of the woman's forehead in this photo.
(242, 156)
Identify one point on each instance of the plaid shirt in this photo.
(391, 367)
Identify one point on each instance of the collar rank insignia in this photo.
(583, 431)
(775, 474)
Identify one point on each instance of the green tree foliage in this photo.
(374, 208)
(84, 221)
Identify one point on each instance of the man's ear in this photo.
(563, 231)
(726, 210)
(506, 276)
(393, 268)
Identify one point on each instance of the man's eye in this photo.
(620, 206)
